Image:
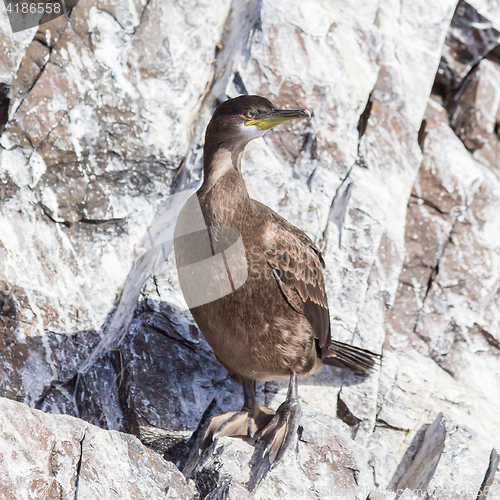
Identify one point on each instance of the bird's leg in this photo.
(243, 423)
(258, 416)
(274, 439)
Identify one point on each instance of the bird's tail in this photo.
(350, 357)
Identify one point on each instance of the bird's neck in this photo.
(223, 195)
(223, 161)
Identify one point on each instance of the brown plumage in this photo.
(273, 324)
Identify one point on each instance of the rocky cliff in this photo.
(102, 116)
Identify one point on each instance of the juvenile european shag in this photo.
(272, 324)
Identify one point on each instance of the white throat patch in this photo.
(251, 131)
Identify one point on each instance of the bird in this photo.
(255, 286)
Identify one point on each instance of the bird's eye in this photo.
(250, 114)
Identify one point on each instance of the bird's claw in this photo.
(242, 423)
(273, 440)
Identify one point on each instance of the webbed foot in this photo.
(276, 437)
(244, 423)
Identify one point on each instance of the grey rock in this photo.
(229, 491)
(57, 456)
(471, 38)
(491, 481)
(423, 466)
(325, 462)
(474, 108)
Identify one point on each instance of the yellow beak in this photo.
(278, 116)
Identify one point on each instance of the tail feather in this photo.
(349, 357)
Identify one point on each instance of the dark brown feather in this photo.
(350, 357)
(297, 265)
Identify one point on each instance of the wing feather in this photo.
(297, 266)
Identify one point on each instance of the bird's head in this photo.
(247, 117)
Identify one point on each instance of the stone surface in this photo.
(60, 457)
(451, 245)
(342, 472)
(102, 120)
(474, 108)
(471, 38)
(87, 170)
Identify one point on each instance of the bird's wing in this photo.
(297, 266)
